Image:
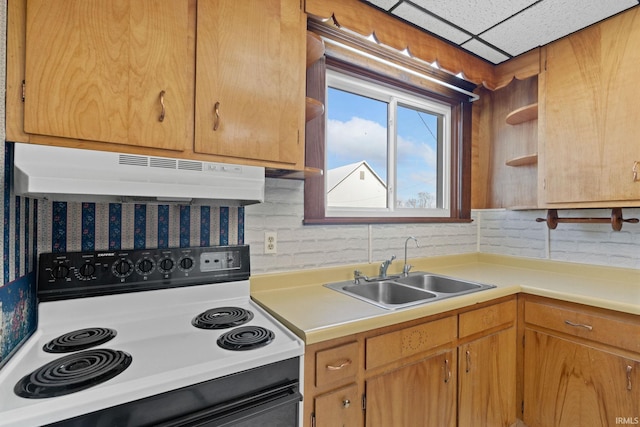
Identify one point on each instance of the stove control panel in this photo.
(82, 274)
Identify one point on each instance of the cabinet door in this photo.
(421, 394)
(487, 381)
(339, 408)
(590, 111)
(95, 71)
(250, 61)
(569, 384)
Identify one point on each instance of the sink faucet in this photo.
(407, 267)
(357, 275)
(385, 265)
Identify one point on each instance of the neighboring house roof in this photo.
(336, 175)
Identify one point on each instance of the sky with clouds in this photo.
(357, 130)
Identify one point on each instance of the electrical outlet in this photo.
(270, 242)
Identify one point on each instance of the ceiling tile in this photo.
(474, 16)
(484, 51)
(429, 23)
(550, 20)
(383, 4)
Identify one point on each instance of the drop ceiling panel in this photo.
(475, 16)
(484, 51)
(497, 30)
(437, 26)
(550, 20)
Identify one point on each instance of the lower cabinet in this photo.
(453, 369)
(339, 408)
(487, 381)
(581, 366)
(421, 394)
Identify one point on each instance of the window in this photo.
(388, 152)
(395, 140)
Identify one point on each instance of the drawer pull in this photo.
(346, 403)
(216, 116)
(344, 364)
(447, 371)
(629, 368)
(162, 113)
(579, 325)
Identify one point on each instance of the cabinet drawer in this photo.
(341, 407)
(482, 319)
(396, 345)
(618, 332)
(337, 365)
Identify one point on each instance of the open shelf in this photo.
(523, 114)
(530, 159)
(315, 48)
(314, 108)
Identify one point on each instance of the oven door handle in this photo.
(242, 408)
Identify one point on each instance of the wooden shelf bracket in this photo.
(616, 219)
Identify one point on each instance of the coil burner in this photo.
(73, 373)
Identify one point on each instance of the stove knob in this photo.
(122, 268)
(186, 263)
(59, 271)
(87, 270)
(144, 266)
(166, 265)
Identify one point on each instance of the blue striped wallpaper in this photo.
(32, 227)
(70, 227)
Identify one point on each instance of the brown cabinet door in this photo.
(339, 408)
(570, 384)
(487, 381)
(95, 71)
(421, 394)
(589, 111)
(250, 60)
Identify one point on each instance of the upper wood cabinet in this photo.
(102, 71)
(229, 77)
(250, 79)
(589, 123)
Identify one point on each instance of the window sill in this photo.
(396, 220)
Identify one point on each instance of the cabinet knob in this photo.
(346, 403)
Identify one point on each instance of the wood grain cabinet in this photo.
(487, 366)
(209, 79)
(453, 369)
(250, 80)
(403, 391)
(581, 365)
(103, 70)
(588, 123)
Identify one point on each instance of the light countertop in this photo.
(316, 313)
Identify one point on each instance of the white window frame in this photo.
(394, 97)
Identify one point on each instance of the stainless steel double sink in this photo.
(399, 292)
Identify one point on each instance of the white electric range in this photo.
(152, 337)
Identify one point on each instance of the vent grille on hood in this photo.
(71, 174)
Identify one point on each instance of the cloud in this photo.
(410, 150)
(358, 139)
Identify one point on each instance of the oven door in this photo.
(273, 407)
(265, 396)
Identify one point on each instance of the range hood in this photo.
(72, 174)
